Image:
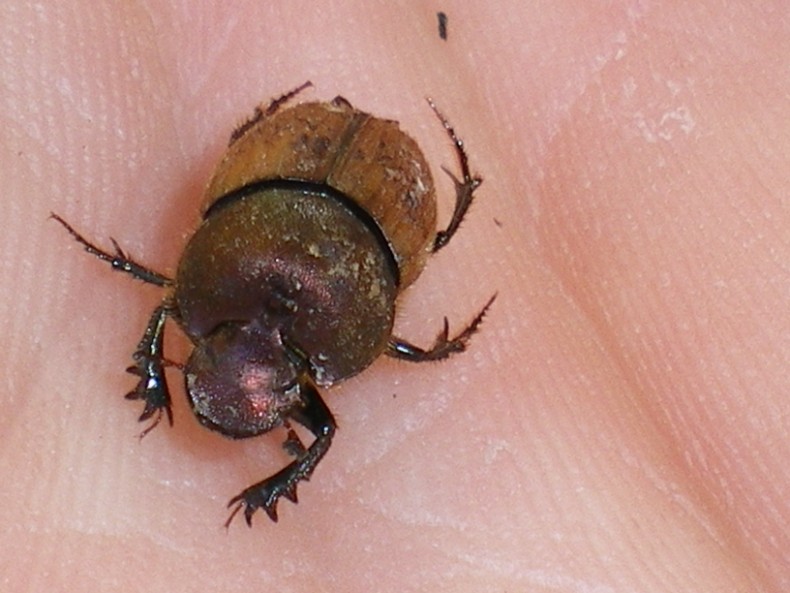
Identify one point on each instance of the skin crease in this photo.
(619, 423)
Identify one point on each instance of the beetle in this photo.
(316, 219)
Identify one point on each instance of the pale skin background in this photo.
(619, 424)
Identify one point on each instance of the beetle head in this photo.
(240, 380)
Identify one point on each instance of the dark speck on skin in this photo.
(442, 17)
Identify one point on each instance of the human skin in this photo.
(618, 424)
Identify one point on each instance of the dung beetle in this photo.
(317, 217)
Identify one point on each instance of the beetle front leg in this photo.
(315, 417)
(443, 346)
(150, 367)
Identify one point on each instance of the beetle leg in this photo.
(464, 187)
(315, 417)
(443, 346)
(150, 367)
(258, 114)
(149, 362)
(118, 260)
(293, 445)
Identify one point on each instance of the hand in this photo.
(618, 423)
